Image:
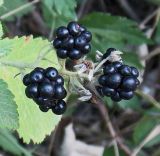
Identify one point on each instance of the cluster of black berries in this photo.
(118, 81)
(72, 41)
(46, 88)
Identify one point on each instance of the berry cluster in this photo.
(118, 81)
(72, 41)
(45, 87)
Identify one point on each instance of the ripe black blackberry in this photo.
(119, 81)
(72, 41)
(46, 88)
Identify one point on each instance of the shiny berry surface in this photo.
(74, 28)
(129, 84)
(36, 76)
(110, 69)
(60, 92)
(59, 108)
(75, 54)
(125, 70)
(62, 53)
(32, 91)
(62, 32)
(57, 43)
(114, 80)
(46, 88)
(51, 73)
(118, 81)
(72, 41)
(26, 80)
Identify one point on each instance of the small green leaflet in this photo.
(1, 2)
(8, 108)
(59, 12)
(33, 124)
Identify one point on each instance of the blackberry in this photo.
(46, 88)
(108, 52)
(59, 80)
(68, 43)
(74, 28)
(59, 108)
(51, 73)
(72, 41)
(86, 49)
(60, 92)
(108, 91)
(62, 32)
(32, 91)
(57, 43)
(75, 54)
(129, 83)
(114, 80)
(80, 42)
(125, 70)
(110, 69)
(26, 80)
(62, 53)
(118, 81)
(36, 76)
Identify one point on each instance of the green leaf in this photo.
(58, 11)
(131, 59)
(143, 128)
(5, 46)
(154, 1)
(134, 103)
(9, 143)
(110, 152)
(33, 124)
(1, 2)
(9, 6)
(1, 30)
(114, 29)
(8, 109)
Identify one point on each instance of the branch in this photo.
(148, 98)
(128, 9)
(105, 115)
(149, 17)
(152, 54)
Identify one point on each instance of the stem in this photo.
(148, 98)
(10, 13)
(52, 29)
(75, 74)
(148, 18)
(100, 65)
(105, 115)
